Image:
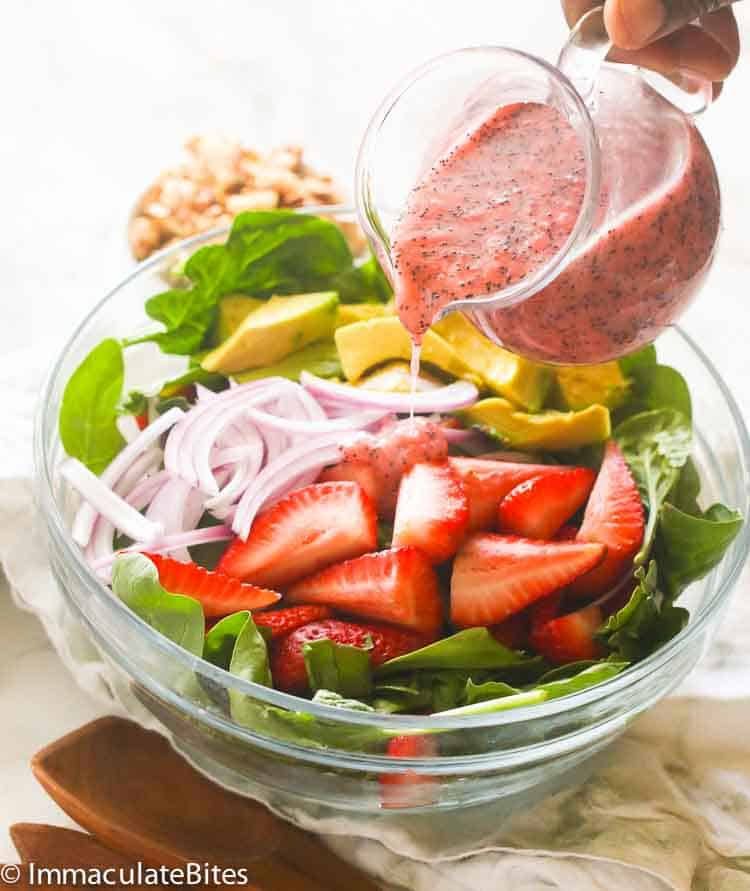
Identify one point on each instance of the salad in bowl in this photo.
(280, 499)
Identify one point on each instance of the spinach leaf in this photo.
(136, 582)
(689, 547)
(656, 444)
(250, 657)
(196, 374)
(88, 413)
(656, 387)
(640, 359)
(365, 283)
(221, 639)
(327, 697)
(588, 677)
(487, 690)
(646, 622)
(135, 404)
(684, 494)
(468, 649)
(267, 252)
(339, 668)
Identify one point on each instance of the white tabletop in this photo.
(98, 96)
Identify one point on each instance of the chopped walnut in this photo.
(218, 179)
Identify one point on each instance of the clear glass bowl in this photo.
(322, 760)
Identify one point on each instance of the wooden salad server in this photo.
(131, 790)
(56, 847)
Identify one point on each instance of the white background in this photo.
(98, 96)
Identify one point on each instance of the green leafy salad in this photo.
(276, 511)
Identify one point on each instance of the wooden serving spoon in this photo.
(131, 790)
(57, 848)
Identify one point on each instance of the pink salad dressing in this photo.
(505, 200)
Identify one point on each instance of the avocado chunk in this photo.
(321, 359)
(525, 383)
(269, 334)
(395, 377)
(582, 385)
(233, 310)
(359, 312)
(548, 430)
(363, 345)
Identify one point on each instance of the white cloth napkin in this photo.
(668, 808)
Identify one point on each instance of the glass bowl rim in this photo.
(48, 505)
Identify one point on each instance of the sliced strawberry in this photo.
(432, 511)
(487, 482)
(567, 533)
(409, 789)
(613, 517)
(513, 632)
(495, 576)
(356, 472)
(283, 621)
(219, 594)
(539, 506)
(305, 531)
(567, 638)
(398, 585)
(384, 642)
(397, 448)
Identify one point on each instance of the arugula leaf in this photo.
(689, 547)
(88, 413)
(656, 444)
(646, 622)
(135, 581)
(339, 668)
(471, 648)
(267, 252)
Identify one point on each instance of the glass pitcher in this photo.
(648, 215)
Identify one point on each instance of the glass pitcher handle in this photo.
(588, 45)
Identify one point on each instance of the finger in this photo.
(632, 23)
(689, 50)
(575, 9)
(722, 26)
(718, 87)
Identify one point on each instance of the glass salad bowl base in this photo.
(311, 761)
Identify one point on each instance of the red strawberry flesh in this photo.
(280, 622)
(432, 510)
(397, 585)
(307, 530)
(495, 576)
(218, 594)
(538, 507)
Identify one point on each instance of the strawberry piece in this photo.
(432, 511)
(356, 472)
(218, 594)
(283, 621)
(487, 482)
(395, 450)
(567, 533)
(288, 662)
(513, 632)
(567, 638)
(305, 531)
(613, 517)
(142, 420)
(409, 789)
(397, 585)
(495, 576)
(539, 506)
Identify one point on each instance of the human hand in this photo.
(660, 35)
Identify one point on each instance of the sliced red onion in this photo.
(86, 516)
(169, 543)
(245, 472)
(142, 467)
(128, 426)
(110, 505)
(358, 421)
(460, 394)
(296, 461)
(178, 507)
